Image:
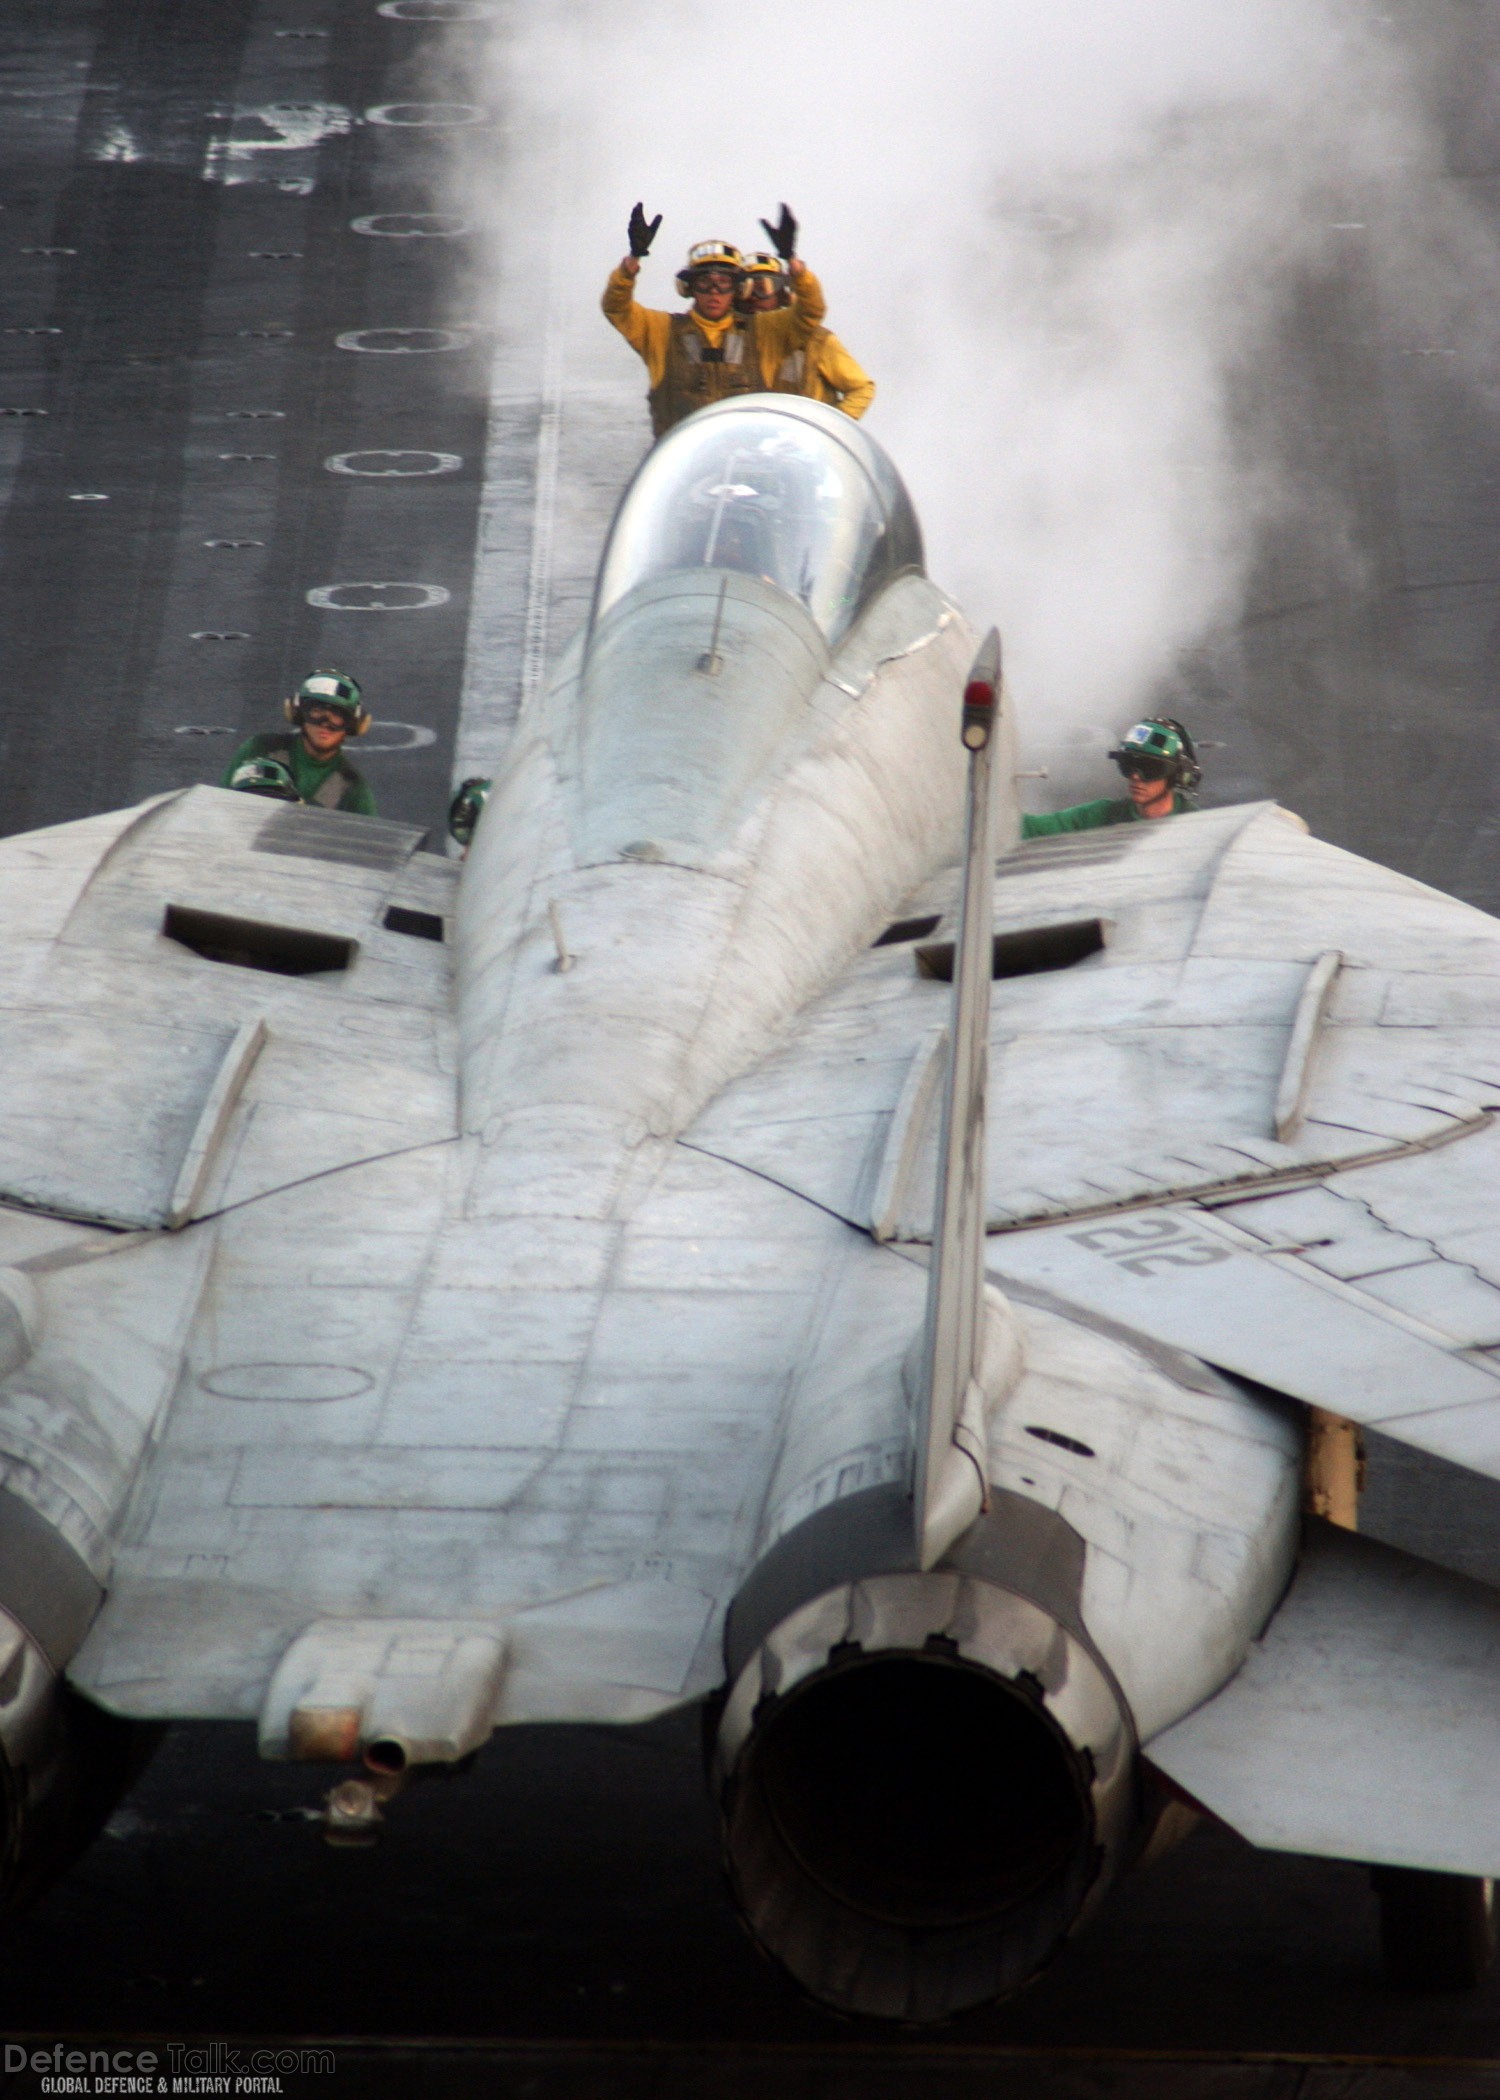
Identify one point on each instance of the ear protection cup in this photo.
(684, 285)
(289, 708)
(361, 721)
(1184, 770)
(1189, 771)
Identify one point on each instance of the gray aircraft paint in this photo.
(476, 1388)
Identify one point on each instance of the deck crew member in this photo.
(467, 807)
(709, 352)
(824, 370)
(1161, 770)
(325, 709)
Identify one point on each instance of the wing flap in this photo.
(1208, 1046)
(98, 1112)
(1364, 1722)
(140, 951)
(1270, 1304)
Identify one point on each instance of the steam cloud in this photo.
(1062, 239)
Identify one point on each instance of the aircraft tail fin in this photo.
(951, 1381)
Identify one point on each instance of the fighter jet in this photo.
(753, 1236)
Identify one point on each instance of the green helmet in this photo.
(1162, 745)
(466, 808)
(265, 776)
(331, 689)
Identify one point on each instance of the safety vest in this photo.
(330, 793)
(798, 371)
(698, 374)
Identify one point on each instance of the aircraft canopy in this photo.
(775, 487)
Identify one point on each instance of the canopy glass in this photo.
(776, 487)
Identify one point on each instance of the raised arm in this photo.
(643, 327)
(792, 327)
(808, 309)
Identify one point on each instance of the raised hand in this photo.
(783, 235)
(643, 231)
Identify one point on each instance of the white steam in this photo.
(1062, 239)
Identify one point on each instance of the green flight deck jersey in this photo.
(1091, 816)
(329, 783)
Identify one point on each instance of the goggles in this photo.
(1142, 766)
(321, 717)
(714, 280)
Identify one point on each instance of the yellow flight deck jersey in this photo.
(692, 361)
(825, 371)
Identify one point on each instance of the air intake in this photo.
(421, 925)
(252, 944)
(1025, 952)
(908, 930)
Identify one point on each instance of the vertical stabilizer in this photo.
(949, 1481)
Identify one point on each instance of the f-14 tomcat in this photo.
(753, 1235)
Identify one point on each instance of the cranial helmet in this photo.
(331, 689)
(763, 265)
(467, 807)
(265, 776)
(709, 255)
(1162, 745)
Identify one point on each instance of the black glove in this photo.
(783, 235)
(642, 231)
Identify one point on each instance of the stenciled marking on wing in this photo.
(1145, 1243)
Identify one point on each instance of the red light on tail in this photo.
(982, 694)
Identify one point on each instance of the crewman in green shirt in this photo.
(1161, 770)
(326, 708)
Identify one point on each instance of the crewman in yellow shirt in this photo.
(823, 370)
(709, 352)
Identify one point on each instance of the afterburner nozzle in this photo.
(982, 693)
(925, 1780)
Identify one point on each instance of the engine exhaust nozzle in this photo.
(926, 1780)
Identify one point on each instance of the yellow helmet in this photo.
(765, 272)
(708, 255)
